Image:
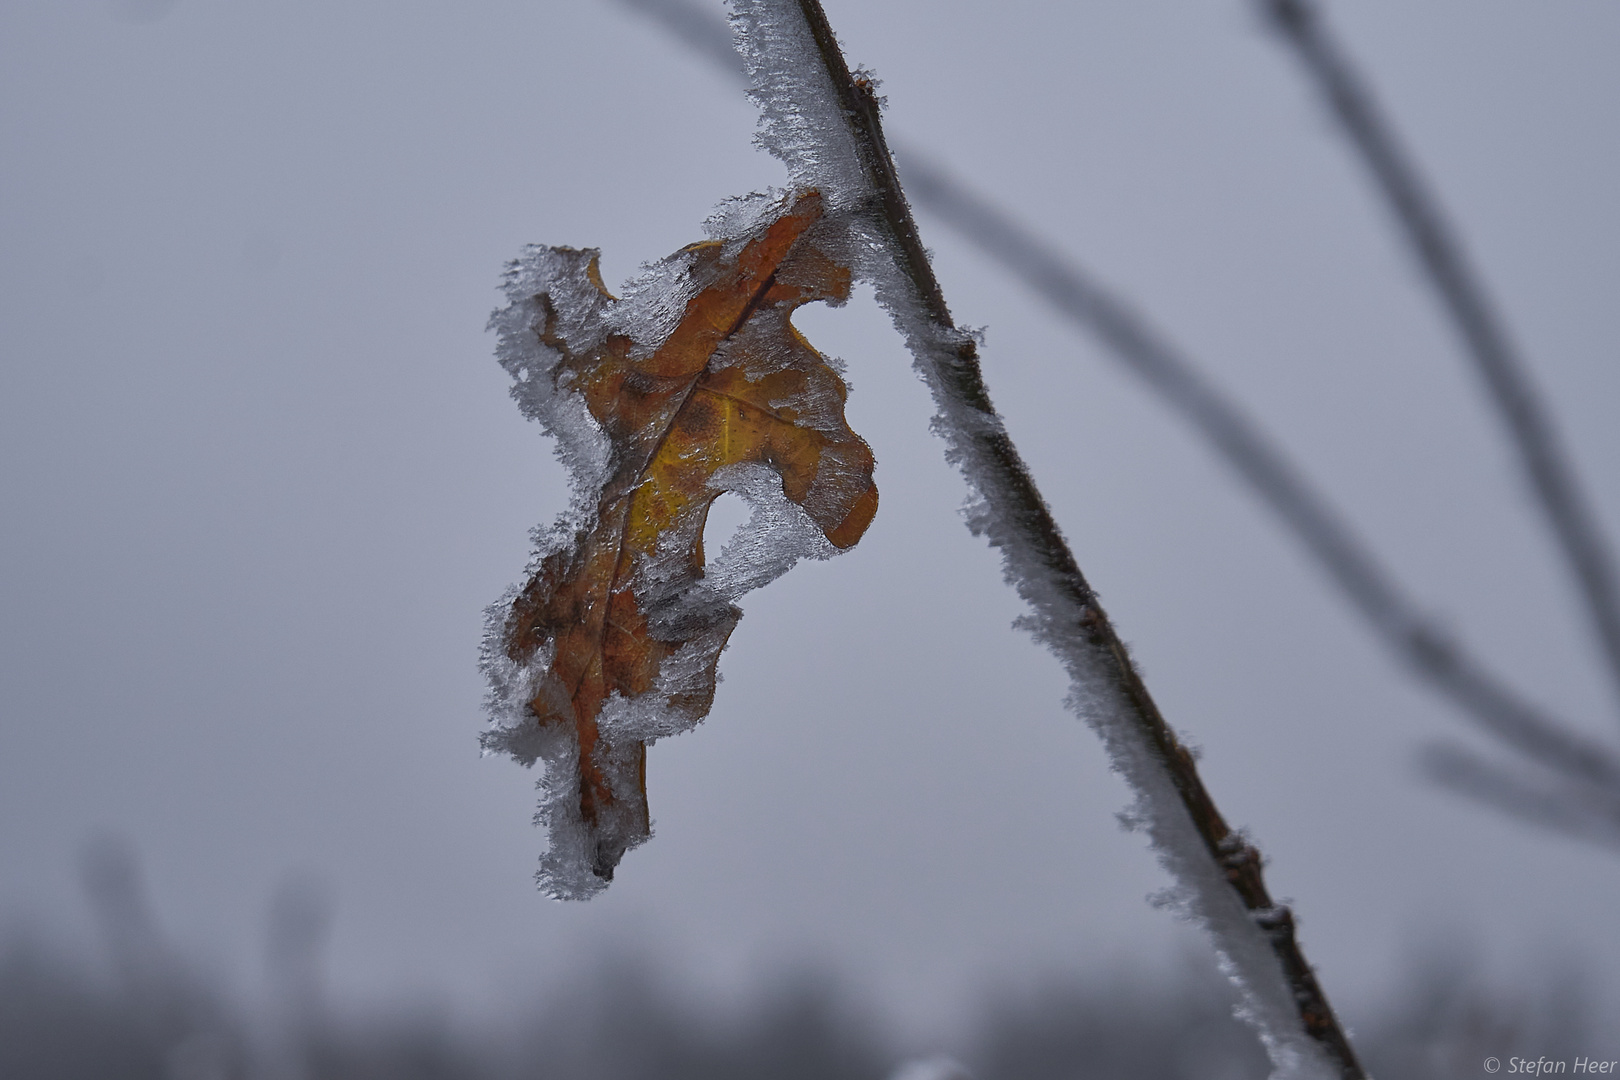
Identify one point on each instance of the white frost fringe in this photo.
(803, 124)
(779, 533)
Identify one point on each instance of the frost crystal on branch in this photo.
(823, 122)
(692, 385)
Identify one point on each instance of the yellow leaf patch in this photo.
(693, 385)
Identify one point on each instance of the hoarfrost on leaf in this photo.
(691, 385)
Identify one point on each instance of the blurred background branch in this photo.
(260, 473)
(1570, 805)
(1462, 293)
(1363, 580)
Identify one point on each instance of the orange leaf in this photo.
(696, 383)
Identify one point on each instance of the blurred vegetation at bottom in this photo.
(157, 1018)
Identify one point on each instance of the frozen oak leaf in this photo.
(695, 383)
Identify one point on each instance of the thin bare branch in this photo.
(1393, 615)
(1589, 814)
(1040, 563)
(1462, 292)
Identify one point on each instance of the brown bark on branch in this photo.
(1038, 535)
(1391, 612)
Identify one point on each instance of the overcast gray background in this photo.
(259, 475)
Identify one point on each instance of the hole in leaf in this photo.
(727, 514)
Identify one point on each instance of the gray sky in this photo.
(259, 476)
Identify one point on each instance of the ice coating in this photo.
(801, 121)
(803, 124)
(693, 384)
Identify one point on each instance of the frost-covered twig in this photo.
(1463, 294)
(824, 123)
(1394, 616)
